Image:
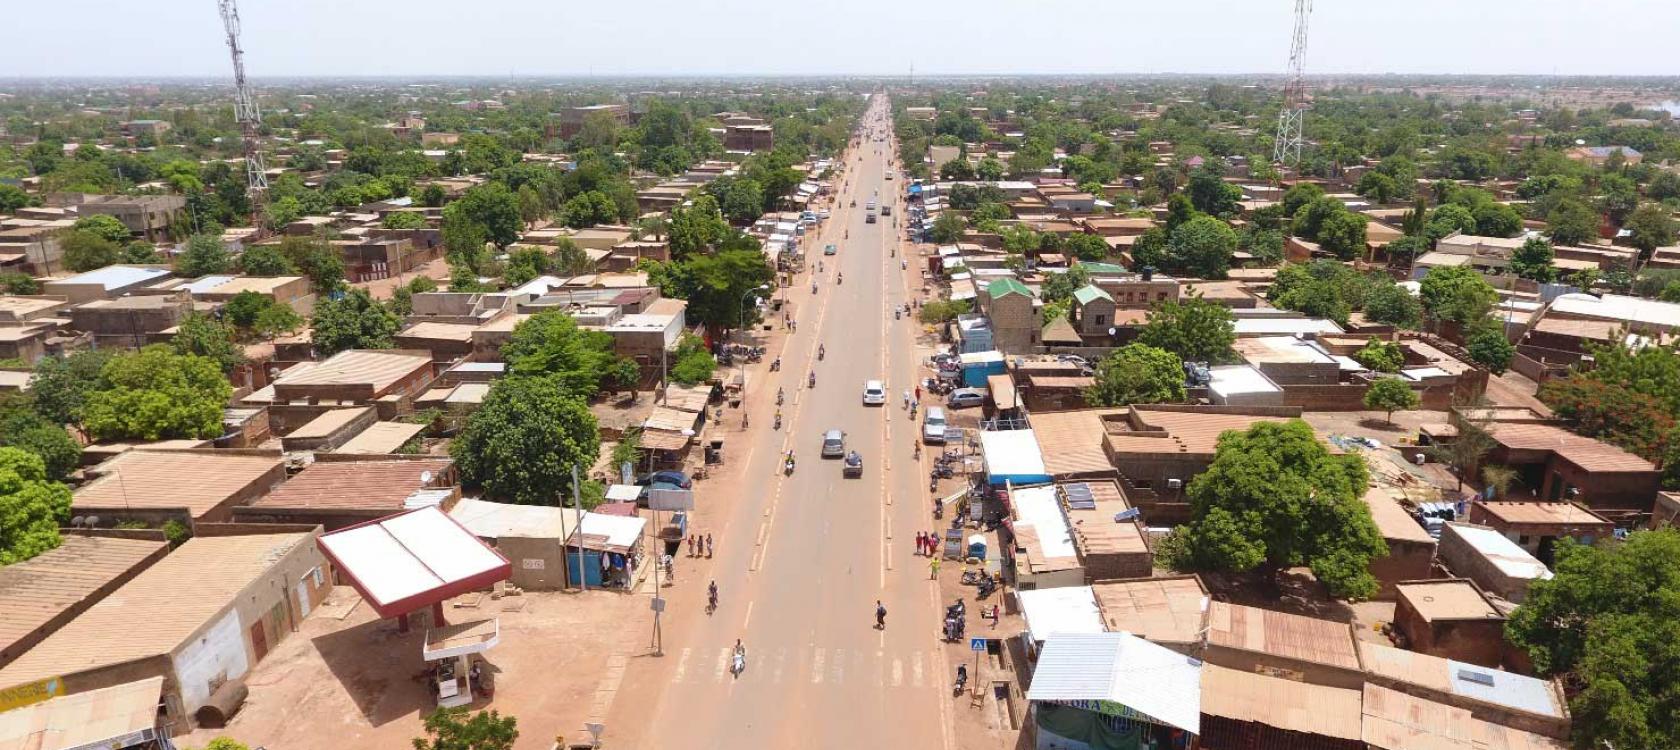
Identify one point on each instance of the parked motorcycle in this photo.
(962, 679)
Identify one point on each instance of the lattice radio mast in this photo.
(249, 117)
(1286, 148)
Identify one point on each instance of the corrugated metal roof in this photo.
(1072, 441)
(1447, 599)
(1566, 514)
(379, 368)
(90, 719)
(1120, 667)
(1396, 721)
(1585, 452)
(356, 485)
(381, 438)
(1187, 433)
(35, 591)
(197, 481)
(1282, 634)
(158, 610)
(1280, 703)
(1161, 609)
(329, 422)
(1509, 690)
(1393, 522)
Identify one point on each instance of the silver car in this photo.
(833, 444)
(965, 397)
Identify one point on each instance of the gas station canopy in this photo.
(412, 560)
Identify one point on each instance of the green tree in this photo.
(1377, 187)
(106, 227)
(990, 169)
(1179, 211)
(1137, 374)
(21, 427)
(266, 260)
(1488, 346)
(207, 337)
(956, 169)
(1533, 260)
(582, 362)
(317, 259)
(1382, 356)
(522, 444)
(696, 228)
(31, 507)
(1195, 329)
(454, 729)
(691, 362)
(1613, 412)
(1572, 222)
(720, 288)
(1456, 294)
(1389, 395)
(1651, 225)
(1212, 195)
(139, 252)
(61, 384)
(947, 229)
(1299, 195)
(1086, 247)
(1447, 219)
(1394, 305)
(353, 321)
(86, 251)
(1150, 250)
(205, 255)
(1202, 246)
(526, 263)
(1497, 220)
(943, 311)
(589, 209)
(402, 220)
(1275, 498)
(156, 393)
(1343, 234)
(1608, 621)
(490, 210)
(18, 283)
(13, 198)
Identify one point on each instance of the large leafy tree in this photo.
(1572, 222)
(1087, 247)
(22, 427)
(1343, 234)
(696, 228)
(86, 251)
(1651, 226)
(1276, 498)
(205, 254)
(550, 344)
(1137, 374)
(1391, 395)
(522, 444)
(1611, 411)
(1609, 621)
(155, 394)
(1394, 305)
(207, 337)
(31, 507)
(353, 321)
(490, 211)
(1488, 347)
(1196, 329)
(720, 288)
(454, 729)
(268, 260)
(106, 227)
(1202, 246)
(1533, 260)
(1458, 295)
(61, 384)
(1212, 195)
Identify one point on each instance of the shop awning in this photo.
(1002, 388)
(1120, 674)
(664, 440)
(1012, 456)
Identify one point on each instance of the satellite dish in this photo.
(426, 477)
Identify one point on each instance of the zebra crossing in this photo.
(816, 665)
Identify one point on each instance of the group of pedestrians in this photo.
(927, 543)
(699, 545)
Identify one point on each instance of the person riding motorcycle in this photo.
(840, 278)
(821, 352)
(780, 395)
(811, 380)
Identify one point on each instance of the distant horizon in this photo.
(288, 39)
(920, 77)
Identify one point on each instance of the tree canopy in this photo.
(522, 444)
(1276, 498)
(1391, 395)
(1195, 329)
(1202, 246)
(1609, 621)
(156, 394)
(581, 362)
(31, 507)
(1137, 374)
(455, 729)
(354, 321)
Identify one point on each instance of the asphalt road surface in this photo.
(807, 556)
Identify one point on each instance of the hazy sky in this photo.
(806, 37)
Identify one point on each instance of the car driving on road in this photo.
(874, 393)
(833, 444)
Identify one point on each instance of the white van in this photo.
(933, 426)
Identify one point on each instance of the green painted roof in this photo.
(1089, 293)
(1101, 267)
(1006, 287)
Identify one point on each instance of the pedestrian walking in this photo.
(690, 545)
(933, 568)
(708, 545)
(921, 543)
(918, 391)
(880, 615)
(994, 616)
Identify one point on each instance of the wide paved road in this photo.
(805, 557)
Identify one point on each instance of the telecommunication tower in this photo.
(249, 117)
(1286, 148)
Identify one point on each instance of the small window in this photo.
(1144, 484)
(1102, 319)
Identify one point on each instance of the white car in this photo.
(874, 394)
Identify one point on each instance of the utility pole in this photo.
(249, 117)
(1286, 147)
(577, 501)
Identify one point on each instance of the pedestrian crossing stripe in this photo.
(884, 668)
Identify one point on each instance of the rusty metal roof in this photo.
(369, 485)
(1282, 634)
(1280, 703)
(1585, 452)
(35, 591)
(196, 480)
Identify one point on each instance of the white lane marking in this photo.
(880, 669)
(916, 669)
(682, 665)
(781, 661)
(722, 664)
(748, 620)
(838, 666)
(898, 672)
(817, 667)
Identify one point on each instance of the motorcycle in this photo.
(738, 663)
(821, 352)
(776, 365)
(987, 586)
(942, 471)
(778, 421)
(787, 466)
(938, 508)
(780, 394)
(840, 278)
(811, 380)
(962, 679)
(897, 313)
(813, 287)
